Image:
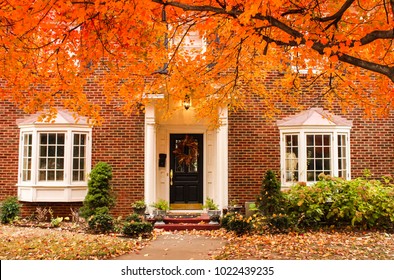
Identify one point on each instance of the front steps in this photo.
(181, 221)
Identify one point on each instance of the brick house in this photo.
(46, 164)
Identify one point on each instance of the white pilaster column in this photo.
(221, 191)
(150, 155)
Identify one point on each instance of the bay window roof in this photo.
(314, 117)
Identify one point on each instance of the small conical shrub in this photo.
(269, 201)
(99, 198)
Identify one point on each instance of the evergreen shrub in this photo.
(136, 229)
(10, 209)
(99, 199)
(237, 223)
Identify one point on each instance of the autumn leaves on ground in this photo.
(52, 244)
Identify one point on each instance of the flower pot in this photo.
(139, 211)
(159, 216)
(235, 209)
(214, 216)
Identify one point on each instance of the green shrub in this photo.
(101, 223)
(237, 223)
(135, 229)
(334, 201)
(270, 200)
(99, 198)
(10, 209)
(280, 222)
(133, 218)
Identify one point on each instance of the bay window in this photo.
(313, 143)
(54, 159)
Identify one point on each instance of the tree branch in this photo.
(338, 14)
(317, 46)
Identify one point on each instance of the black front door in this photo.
(186, 171)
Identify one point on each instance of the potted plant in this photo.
(234, 207)
(139, 207)
(213, 211)
(161, 208)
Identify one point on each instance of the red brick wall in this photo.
(120, 142)
(9, 145)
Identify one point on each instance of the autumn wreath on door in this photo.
(186, 150)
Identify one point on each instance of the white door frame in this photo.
(156, 183)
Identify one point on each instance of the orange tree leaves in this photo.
(130, 48)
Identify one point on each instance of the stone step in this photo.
(181, 221)
(172, 227)
(197, 220)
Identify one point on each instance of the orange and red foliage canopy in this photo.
(132, 48)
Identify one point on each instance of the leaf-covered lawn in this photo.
(51, 244)
(335, 245)
(25, 243)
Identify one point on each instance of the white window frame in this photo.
(65, 190)
(302, 132)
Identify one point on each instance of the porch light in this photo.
(187, 102)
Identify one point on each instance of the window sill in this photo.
(52, 194)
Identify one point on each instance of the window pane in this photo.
(342, 166)
(60, 138)
(309, 140)
(78, 160)
(60, 151)
(75, 176)
(51, 159)
(60, 163)
(82, 164)
(51, 163)
(52, 138)
(42, 175)
(27, 156)
(75, 151)
(43, 151)
(52, 151)
(326, 152)
(318, 140)
(291, 160)
(318, 155)
(43, 138)
(81, 175)
(51, 176)
(310, 152)
(319, 152)
(310, 176)
(82, 151)
(76, 139)
(75, 164)
(326, 140)
(59, 175)
(43, 163)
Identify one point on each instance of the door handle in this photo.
(171, 176)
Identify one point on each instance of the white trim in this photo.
(150, 156)
(222, 160)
